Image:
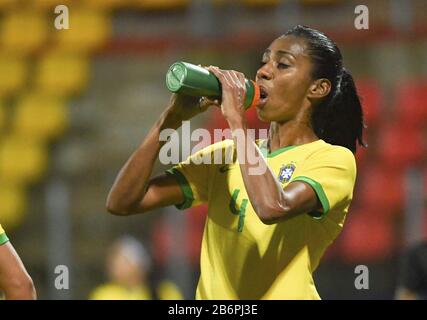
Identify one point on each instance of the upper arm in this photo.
(162, 191)
(185, 185)
(297, 198)
(300, 197)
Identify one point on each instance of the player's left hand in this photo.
(233, 94)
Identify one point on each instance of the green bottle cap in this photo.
(175, 76)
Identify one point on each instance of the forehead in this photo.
(293, 45)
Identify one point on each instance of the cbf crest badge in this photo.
(286, 172)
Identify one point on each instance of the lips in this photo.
(263, 96)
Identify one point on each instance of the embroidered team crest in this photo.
(286, 172)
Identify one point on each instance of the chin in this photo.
(266, 114)
(262, 115)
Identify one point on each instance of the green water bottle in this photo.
(192, 80)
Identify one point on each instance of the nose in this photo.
(264, 72)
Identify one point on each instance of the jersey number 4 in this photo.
(238, 211)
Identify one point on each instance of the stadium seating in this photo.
(22, 161)
(61, 74)
(89, 31)
(13, 76)
(372, 100)
(366, 237)
(6, 4)
(107, 4)
(44, 5)
(41, 117)
(400, 144)
(2, 117)
(12, 205)
(160, 4)
(23, 32)
(380, 189)
(411, 102)
(362, 155)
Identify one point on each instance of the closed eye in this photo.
(282, 65)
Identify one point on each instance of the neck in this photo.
(290, 133)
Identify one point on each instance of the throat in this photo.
(288, 134)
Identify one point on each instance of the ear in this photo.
(319, 88)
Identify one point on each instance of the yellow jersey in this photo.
(3, 236)
(243, 258)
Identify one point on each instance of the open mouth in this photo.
(263, 96)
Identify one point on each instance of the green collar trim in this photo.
(279, 151)
(264, 150)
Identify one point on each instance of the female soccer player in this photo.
(14, 279)
(266, 230)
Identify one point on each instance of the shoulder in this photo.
(333, 154)
(331, 160)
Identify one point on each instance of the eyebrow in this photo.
(280, 53)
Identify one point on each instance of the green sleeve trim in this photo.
(185, 188)
(320, 194)
(3, 238)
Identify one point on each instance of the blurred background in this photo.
(75, 103)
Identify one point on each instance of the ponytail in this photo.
(339, 118)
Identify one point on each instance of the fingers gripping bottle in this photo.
(192, 80)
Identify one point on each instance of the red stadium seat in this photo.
(372, 99)
(411, 102)
(366, 237)
(400, 145)
(381, 190)
(161, 239)
(362, 156)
